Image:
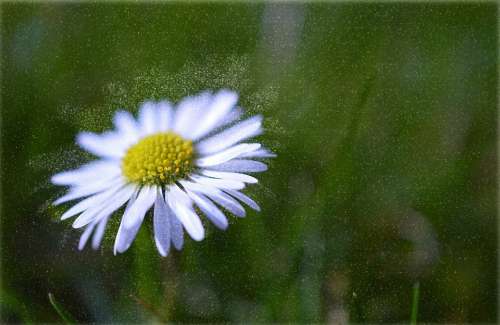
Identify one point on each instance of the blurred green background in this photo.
(384, 120)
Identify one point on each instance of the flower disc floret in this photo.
(160, 159)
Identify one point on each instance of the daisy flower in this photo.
(179, 162)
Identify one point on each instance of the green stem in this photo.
(414, 307)
(60, 310)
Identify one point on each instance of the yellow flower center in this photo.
(160, 159)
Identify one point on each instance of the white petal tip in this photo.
(239, 186)
(198, 235)
(56, 180)
(78, 224)
(131, 223)
(229, 94)
(83, 137)
(57, 202)
(198, 238)
(162, 252)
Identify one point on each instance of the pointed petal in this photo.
(91, 171)
(218, 183)
(190, 111)
(125, 122)
(85, 236)
(219, 197)
(225, 139)
(99, 233)
(106, 207)
(89, 189)
(144, 201)
(104, 145)
(147, 118)
(221, 104)
(229, 118)
(261, 153)
(210, 210)
(243, 198)
(182, 206)
(176, 230)
(127, 126)
(90, 202)
(161, 224)
(227, 154)
(165, 116)
(230, 176)
(125, 236)
(241, 166)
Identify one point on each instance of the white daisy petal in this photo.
(261, 153)
(89, 189)
(226, 155)
(89, 202)
(218, 183)
(125, 236)
(99, 233)
(105, 145)
(176, 231)
(88, 217)
(241, 131)
(221, 104)
(144, 201)
(106, 207)
(165, 116)
(147, 118)
(230, 176)
(230, 117)
(117, 202)
(243, 198)
(189, 113)
(210, 210)
(219, 197)
(85, 236)
(126, 125)
(241, 166)
(161, 224)
(94, 170)
(182, 206)
(229, 204)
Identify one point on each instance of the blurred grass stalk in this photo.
(65, 316)
(414, 305)
(148, 276)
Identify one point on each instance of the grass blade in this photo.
(414, 305)
(66, 317)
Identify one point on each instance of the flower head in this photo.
(170, 160)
